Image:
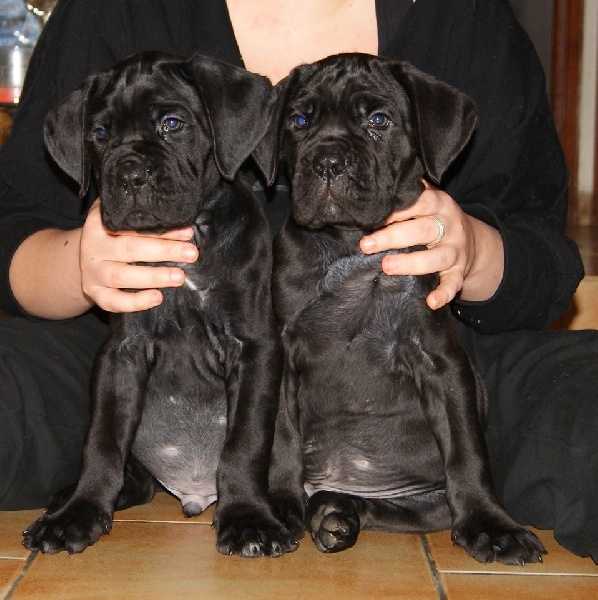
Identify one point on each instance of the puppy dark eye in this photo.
(100, 134)
(171, 124)
(300, 121)
(379, 120)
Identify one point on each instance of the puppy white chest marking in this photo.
(202, 294)
(190, 283)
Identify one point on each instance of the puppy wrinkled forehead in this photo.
(136, 88)
(340, 68)
(141, 80)
(340, 82)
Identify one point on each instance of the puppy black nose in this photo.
(329, 165)
(132, 174)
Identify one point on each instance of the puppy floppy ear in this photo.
(268, 152)
(64, 135)
(445, 118)
(235, 102)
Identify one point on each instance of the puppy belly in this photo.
(180, 439)
(365, 435)
(352, 470)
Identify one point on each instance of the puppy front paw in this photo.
(488, 539)
(73, 529)
(253, 536)
(334, 526)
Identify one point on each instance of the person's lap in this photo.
(542, 429)
(44, 404)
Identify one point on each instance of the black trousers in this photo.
(44, 404)
(542, 428)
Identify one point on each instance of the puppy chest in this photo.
(366, 312)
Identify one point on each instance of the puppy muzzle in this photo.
(334, 187)
(131, 174)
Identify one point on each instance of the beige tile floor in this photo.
(153, 552)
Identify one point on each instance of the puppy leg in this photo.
(139, 485)
(450, 395)
(287, 494)
(244, 520)
(87, 513)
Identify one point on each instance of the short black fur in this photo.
(186, 391)
(381, 409)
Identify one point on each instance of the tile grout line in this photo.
(162, 522)
(13, 588)
(433, 568)
(520, 574)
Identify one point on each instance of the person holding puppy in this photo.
(494, 231)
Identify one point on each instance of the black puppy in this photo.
(191, 386)
(382, 403)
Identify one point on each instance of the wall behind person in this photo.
(537, 17)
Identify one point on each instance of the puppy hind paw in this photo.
(511, 546)
(72, 530)
(251, 538)
(333, 530)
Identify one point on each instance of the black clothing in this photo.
(44, 404)
(541, 428)
(513, 176)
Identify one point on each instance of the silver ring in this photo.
(441, 230)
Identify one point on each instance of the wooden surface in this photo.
(153, 552)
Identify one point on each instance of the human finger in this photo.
(132, 248)
(119, 301)
(420, 262)
(182, 234)
(404, 234)
(430, 201)
(450, 284)
(122, 275)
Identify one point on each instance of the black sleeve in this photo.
(513, 175)
(516, 179)
(33, 194)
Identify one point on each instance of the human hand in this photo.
(451, 256)
(105, 259)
